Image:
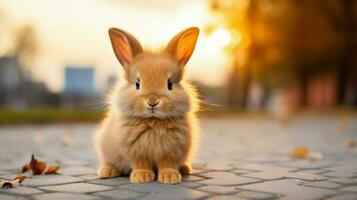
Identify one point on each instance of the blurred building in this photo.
(18, 90)
(79, 86)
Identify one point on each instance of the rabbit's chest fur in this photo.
(154, 138)
(126, 139)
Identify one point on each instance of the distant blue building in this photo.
(79, 81)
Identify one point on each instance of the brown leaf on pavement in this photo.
(52, 169)
(350, 143)
(12, 183)
(300, 152)
(37, 167)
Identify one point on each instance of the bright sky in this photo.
(75, 33)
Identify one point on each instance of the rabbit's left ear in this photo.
(182, 45)
(125, 46)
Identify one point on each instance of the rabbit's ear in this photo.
(182, 45)
(125, 46)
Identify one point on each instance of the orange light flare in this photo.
(224, 38)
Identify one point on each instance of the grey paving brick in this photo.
(256, 195)
(272, 175)
(192, 178)
(88, 177)
(111, 181)
(216, 189)
(226, 197)
(307, 164)
(340, 174)
(175, 196)
(220, 166)
(63, 196)
(229, 181)
(163, 191)
(50, 180)
(77, 170)
(215, 174)
(263, 167)
(190, 184)
(119, 194)
(349, 196)
(9, 197)
(242, 171)
(323, 184)
(290, 189)
(21, 190)
(344, 181)
(76, 188)
(350, 188)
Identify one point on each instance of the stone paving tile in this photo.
(76, 188)
(225, 198)
(215, 174)
(218, 189)
(344, 181)
(21, 191)
(269, 175)
(77, 170)
(88, 177)
(219, 166)
(50, 180)
(162, 191)
(263, 167)
(290, 189)
(63, 196)
(9, 197)
(119, 194)
(323, 184)
(229, 181)
(190, 184)
(112, 181)
(306, 164)
(192, 178)
(344, 197)
(350, 189)
(242, 171)
(256, 195)
(340, 174)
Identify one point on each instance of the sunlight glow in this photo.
(220, 38)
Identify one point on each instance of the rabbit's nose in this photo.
(153, 104)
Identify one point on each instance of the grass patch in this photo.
(47, 115)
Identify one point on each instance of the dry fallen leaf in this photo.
(350, 143)
(12, 183)
(52, 169)
(25, 168)
(300, 152)
(37, 167)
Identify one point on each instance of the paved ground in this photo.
(238, 159)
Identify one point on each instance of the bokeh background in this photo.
(253, 56)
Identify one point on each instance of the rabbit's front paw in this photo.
(108, 171)
(169, 176)
(142, 176)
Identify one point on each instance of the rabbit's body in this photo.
(151, 122)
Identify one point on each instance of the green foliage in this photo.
(47, 115)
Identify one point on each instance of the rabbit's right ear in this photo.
(125, 46)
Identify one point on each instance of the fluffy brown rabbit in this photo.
(151, 123)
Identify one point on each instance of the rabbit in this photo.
(151, 124)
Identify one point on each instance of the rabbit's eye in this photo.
(169, 84)
(137, 84)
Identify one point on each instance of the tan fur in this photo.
(132, 139)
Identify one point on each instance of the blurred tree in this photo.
(25, 44)
(289, 42)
